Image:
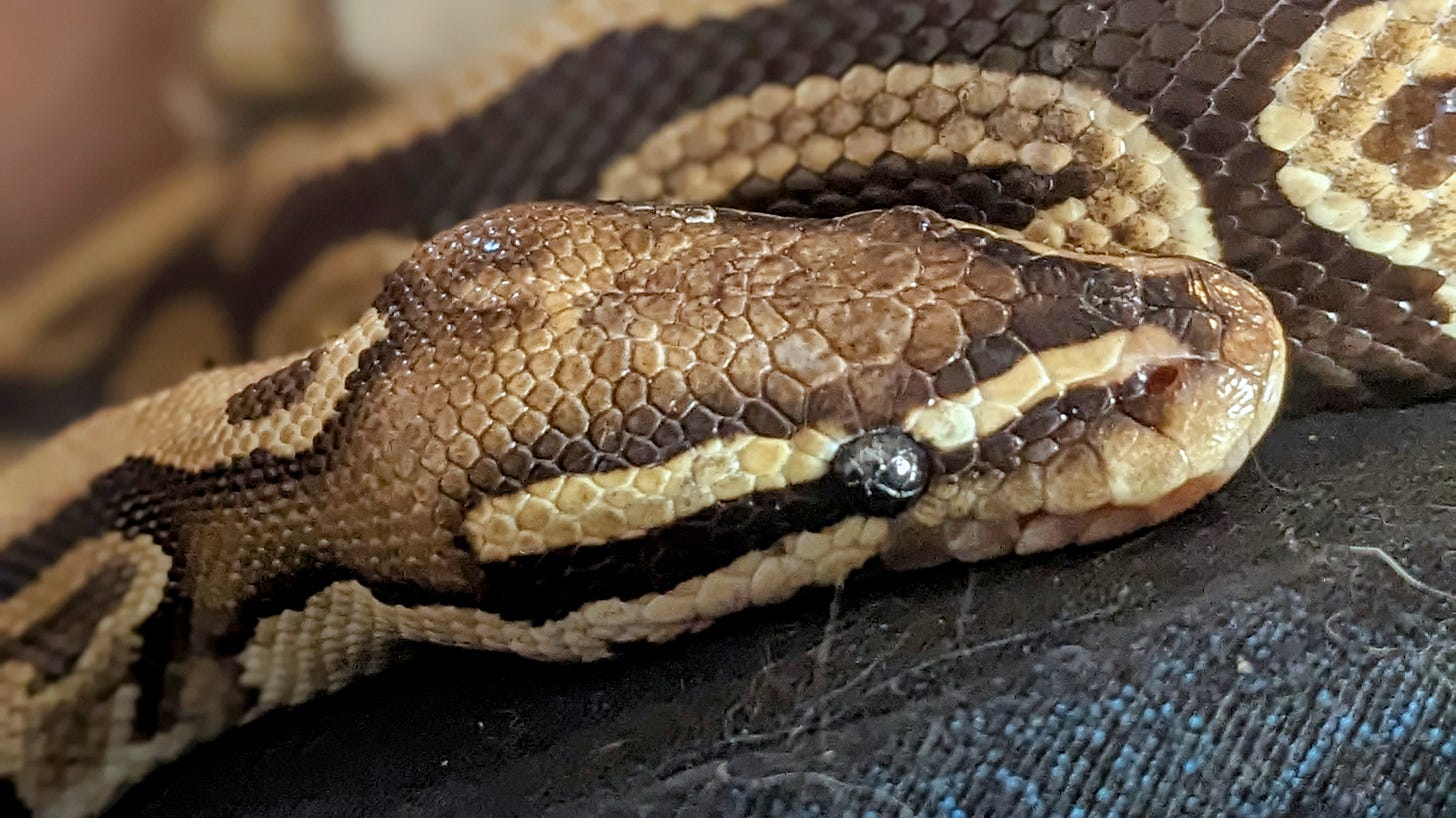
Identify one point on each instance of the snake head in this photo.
(706, 409)
(1118, 392)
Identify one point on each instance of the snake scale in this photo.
(715, 301)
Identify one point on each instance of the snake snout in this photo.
(1153, 419)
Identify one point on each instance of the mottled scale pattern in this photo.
(560, 429)
(1187, 118)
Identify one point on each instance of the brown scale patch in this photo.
(1416, 134)
(1056, 424)
(277, 391)
(791, 324)
(1040, 433)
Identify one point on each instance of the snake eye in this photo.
(884, 470)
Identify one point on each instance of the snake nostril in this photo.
(1163, 379)
(1146, 396)
(884, 470)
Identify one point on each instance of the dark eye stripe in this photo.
(542, 587)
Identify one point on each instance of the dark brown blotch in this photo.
(1005, 195)
(276, 392)
(1416, 133)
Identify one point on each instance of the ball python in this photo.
(714, 301)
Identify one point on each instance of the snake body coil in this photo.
(563, 428)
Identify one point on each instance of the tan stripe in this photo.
(958, 422)
(287, 662)
(185, 427)
(1148, 201)
(592, 509)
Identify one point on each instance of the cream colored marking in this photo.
(959, 421)
(44, 734)
(577, 510)
(1150, 201)
(1123, 476)
(185, 427)
(1347, 75)
(330, 294)
(69, 308)
(293, 152)
(288, 663)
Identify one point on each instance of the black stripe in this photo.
(543, 587)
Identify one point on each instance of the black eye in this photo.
(884, 470)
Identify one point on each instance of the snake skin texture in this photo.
(565, 428)
(561, 429)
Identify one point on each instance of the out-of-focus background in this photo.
(99, 98)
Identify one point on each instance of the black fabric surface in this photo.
(1288, 648)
